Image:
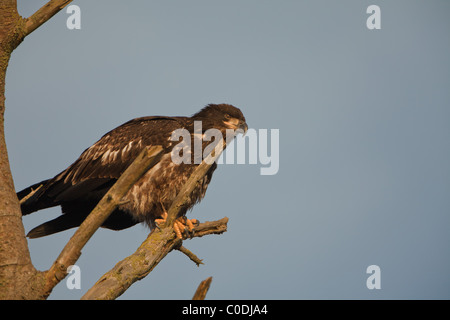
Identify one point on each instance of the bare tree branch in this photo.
(138, 265)
(190, 255)
(202, 289)
(41, 16)
(72, 251)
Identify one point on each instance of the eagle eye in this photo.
(227, 117)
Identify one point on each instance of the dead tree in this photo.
(19, 279)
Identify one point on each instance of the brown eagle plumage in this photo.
(81, 186)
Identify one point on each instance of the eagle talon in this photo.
(190, 224)
(184, 227)
(177, 228)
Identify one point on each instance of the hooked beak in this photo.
(239, 125)
(243, 126)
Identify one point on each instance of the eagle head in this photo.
(229, 115)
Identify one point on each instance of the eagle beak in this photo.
(239, 125)
(243, 126)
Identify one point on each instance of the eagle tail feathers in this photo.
(58, 224)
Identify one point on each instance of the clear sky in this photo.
(364, 150)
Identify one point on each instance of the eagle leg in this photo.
(162, 220)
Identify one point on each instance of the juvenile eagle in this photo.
(81, 186)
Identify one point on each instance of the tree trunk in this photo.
(17, 274)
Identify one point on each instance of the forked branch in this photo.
(138, 265)
(159, 243)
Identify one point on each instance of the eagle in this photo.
(82, 185)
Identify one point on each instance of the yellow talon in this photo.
(182, 223)
(177, 228)
(179, 225)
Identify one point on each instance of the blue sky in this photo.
(363, 119)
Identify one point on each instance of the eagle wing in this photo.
(99, 166)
